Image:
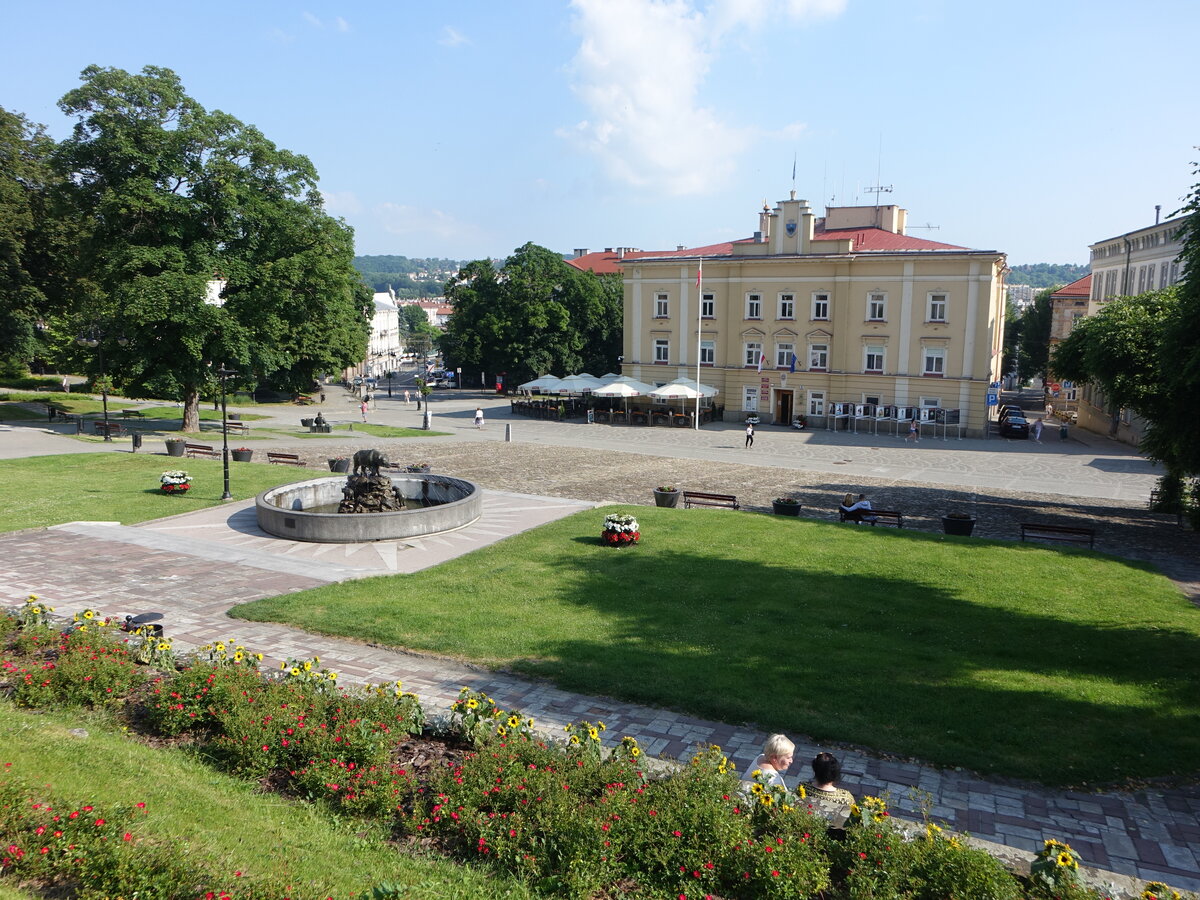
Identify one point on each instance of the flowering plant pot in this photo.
(242, 454)
(176, 488)
(620, 531)
(785, 506)
(959, 524)
(666, 497)
(175, 482)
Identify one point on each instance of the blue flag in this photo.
(793, 364)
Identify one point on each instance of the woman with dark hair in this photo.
(827, 770)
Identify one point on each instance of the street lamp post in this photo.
(94, 339)
(224, 373)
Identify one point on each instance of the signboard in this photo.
(993, 399)
(1055, 386)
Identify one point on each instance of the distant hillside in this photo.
(1044, 275)
(408, 277)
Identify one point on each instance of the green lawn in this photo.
(222, 823)
(121, 487)
(1062, 666)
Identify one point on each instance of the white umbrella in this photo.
(683, 389)
(547, 383)
(578, 384)
(625, 387)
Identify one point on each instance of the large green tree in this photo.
(173, 196)
(1033, 337)
(532, 315)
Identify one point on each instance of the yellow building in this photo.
(856, 324)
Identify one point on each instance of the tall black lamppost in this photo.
(224, 373)
(94, 338)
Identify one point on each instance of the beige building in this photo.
(844, 319)
(1067, 306)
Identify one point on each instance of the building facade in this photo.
(1067, 306)
(1136, 262)
(831, 317)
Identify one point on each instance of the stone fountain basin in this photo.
(282, 511)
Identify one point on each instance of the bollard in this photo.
(508, 432)
(1062, 431)
(428, 419)
(137, 440)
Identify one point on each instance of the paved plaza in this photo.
(197, 566)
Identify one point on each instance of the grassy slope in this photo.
(1056, 665)
(224, 823)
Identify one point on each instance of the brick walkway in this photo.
(1147, 834)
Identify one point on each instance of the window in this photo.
(1141, 279)
(661, 306)
(787, 306)
(753, 352)
(1162, 276)
(816, 403)
(818, 357)
(876, 307)
(937, 308)
(873, 364)
(708, 353)
(750, 399)
(708, 306)
(662, 351)
(820, 306)
(754, 306)
(935, 362)
(783, 355)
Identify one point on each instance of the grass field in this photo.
(222, 824)
(1062, 666)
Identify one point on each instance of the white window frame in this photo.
(750, 399)
(939, 302)
(823, 351)
(783, 357)
(708, 306)
(821, 303)
(935, 356)
(876, 298)
(816, 403)
(753, 305)
(662, 351)
(662, 305)
(753, 350)
(787, 306)
(870, 350)
(708, 353)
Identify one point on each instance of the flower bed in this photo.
(620, 531)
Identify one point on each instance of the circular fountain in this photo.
(308, 510)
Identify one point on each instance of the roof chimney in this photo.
(580, 251)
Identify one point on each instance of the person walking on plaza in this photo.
(363, 407)
(914, 432)
(479, 417)
(407, 399)
(1037, 430)
(749, 435)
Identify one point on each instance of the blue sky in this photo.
(465, 129)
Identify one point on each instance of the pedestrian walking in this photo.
(1037, 431)
(363, 408)
(749, 435)
(407, 398)
(479, 417)
(914, 432)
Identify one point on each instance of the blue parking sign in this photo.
(992, 398)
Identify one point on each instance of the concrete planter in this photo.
(785, 509)
(960, 527)
(175, 448)
(241, 455)
(666, 499)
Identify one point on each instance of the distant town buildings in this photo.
(828, 317)
(1020, 295)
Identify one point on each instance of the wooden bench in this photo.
(698, 498)
(286, 459)
(891, 517)
(132, 414)
(1069, 533)
(99, 427)
(199, 450)
(237, 427)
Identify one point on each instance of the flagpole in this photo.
(699, 325)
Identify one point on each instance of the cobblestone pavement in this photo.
(1146, 833)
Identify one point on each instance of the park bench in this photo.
(1071, 534)
(100, 427)
(132, 414)
(891, 517)
(237, 427)
(287, 459)
(302, 400)
(200, 450)
(699, 498)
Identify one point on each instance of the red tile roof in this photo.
(866, 240)
(1081, 287)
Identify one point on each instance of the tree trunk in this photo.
(191, 410)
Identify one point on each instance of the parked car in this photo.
(1014, 426)
(1009, 410)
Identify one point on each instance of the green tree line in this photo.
(115, 233)
(1044, 275)
(400, 274)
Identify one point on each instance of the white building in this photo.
(1136, 262)
(384, 348)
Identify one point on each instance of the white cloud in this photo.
(640, 71)
(452, 37)
(341, 203)
(341, 24)
(312, 20)
(412, 221)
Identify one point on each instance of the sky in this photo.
(464, 130)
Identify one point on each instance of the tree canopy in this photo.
(166, 197)
(1044, 275)
(1031, 334)
(532, 315)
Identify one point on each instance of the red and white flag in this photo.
(761, 354)
(699, 273)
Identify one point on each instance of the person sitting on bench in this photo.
(857, 510)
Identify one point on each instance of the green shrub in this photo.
(90, 668)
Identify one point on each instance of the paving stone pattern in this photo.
(1151, 834)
